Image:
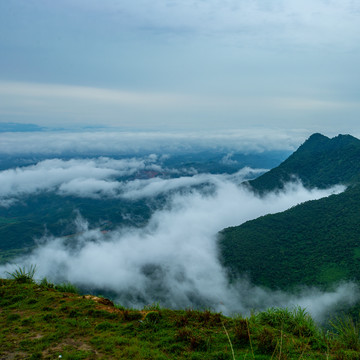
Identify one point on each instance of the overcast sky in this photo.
(183, 65)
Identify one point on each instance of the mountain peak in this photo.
(318, 162)
(315, 142)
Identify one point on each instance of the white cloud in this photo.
(152, 187)
(86, 177)
(174, 258)
(125, 142)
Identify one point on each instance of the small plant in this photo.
(152, 307)
(153, 317)
(241, 332)
(231, 347)
(104, 326)
(194, 341)
(130, 315)
(23, 275)
(347, 332)
(13, 317)
(67, 288)
(267, 341)
(181, 321)
(46, 284)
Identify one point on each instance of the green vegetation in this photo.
(40, 322)
(23, 275)
(49, 213)
(319, 162)
(314, 243)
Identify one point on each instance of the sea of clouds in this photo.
(174, 258)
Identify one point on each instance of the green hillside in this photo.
(48, 213)
(315, 243)
(40, 321)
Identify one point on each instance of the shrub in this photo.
(67, 287)
(267, 341)
(153, 317)
(23, 275)
(105, 326)
(153, 307)
(296, 321)
(347, 332)
(181, 321)
(241, 332)
(36, 356)
(46, 284)
(13, 317)
(130, 315)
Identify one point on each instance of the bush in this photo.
(23, 275)
(13, 317)
(67, 288)
(267, 341)
(241, 332)
(347, 332)
(130, 315)
(296, 321)
(153, 317)
(105, 326)
(46, 284)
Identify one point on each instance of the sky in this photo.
(182, 66)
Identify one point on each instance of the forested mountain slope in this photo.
(315, 243)
(319, 162)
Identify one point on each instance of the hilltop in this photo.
(319, 162)
(314, 243)
(43, 321)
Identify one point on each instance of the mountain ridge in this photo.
(314, 243)
(319, 162)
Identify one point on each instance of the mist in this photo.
(174, 258)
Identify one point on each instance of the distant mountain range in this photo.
(17, 127)
(314, 243)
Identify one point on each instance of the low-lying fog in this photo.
(174, 259)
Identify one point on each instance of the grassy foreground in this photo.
(40, 321)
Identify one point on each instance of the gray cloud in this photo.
(301, 22)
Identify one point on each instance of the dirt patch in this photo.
(99, 300)
(70, 344)
(13, 355)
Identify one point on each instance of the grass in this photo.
(44, 321)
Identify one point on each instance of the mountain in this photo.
(320, 162)
(314, 243)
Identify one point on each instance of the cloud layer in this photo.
(174, 258)
(84, 178)
(114, 141)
